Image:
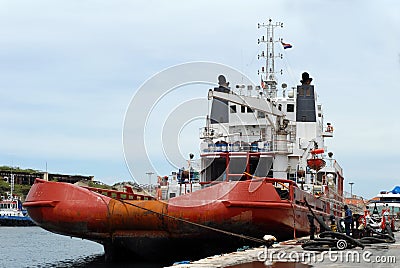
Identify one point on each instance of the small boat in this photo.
(12, 212)
(386, 203)
(387, 200)
(255, 179)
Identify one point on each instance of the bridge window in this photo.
(249, 110)
(233, 109)
(237, 165)
(215, 169)
(243, 109)
(290, 108)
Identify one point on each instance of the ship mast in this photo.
(12, 184)
(269, 84)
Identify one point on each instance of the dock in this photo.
(290, 252)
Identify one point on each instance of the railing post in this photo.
(291, 192)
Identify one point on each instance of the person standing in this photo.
(348, 219)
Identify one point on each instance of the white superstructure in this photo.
(386, 201)
(260, 131)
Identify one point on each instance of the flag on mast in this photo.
(262, 83)
(286, 45)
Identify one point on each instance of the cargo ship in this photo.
(264, 166)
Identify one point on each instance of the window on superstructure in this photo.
(260, 114)
(291, 176)
(243, 109)
(262, 132)
(237, 166)
(249, 110)
(233, 109)
(290, 108)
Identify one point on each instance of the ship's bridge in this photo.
(236, 142)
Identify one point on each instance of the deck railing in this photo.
(118, 194)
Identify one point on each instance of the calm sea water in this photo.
(35, 247)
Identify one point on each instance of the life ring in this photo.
(383, 224)
(362, 220)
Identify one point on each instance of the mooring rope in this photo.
(254, 239)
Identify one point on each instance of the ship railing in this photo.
(335, 200)
(118, 194)
(336, 206)
(332, 194)
(263, 146)
(338, 167)
(352, 196)
(208, 133)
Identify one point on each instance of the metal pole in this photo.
(190, 162)
(351, 189)
(12, 184)
(189, 169)
(150, 173)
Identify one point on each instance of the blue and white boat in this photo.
(388, 201)
(12, 212)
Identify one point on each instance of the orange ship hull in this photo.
(152, 228)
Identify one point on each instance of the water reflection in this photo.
(36, 247)
(99, 261)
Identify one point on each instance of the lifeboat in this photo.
(316, 163)
(317, 151)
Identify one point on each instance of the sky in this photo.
(69, 70)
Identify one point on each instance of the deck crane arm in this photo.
(306, 153)
(260, 104)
